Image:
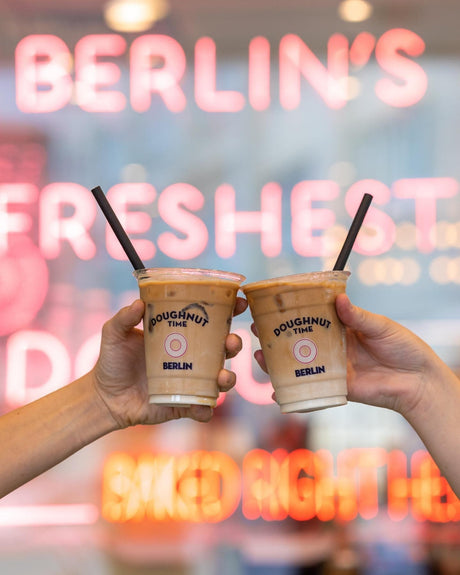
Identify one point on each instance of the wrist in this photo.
(425, 403)
(101, 415)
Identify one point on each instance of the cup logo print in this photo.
(175, 344)
(305, 350)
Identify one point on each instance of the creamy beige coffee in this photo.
(302, 339)
(188, 314)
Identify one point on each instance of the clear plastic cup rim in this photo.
(311, 278)
(197, 274)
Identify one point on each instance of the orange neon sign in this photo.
(198, 487)
(205, 486)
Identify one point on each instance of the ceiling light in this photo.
(134, 15)
(355, 10)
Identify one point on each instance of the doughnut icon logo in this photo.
(305, 350)
(175, 345)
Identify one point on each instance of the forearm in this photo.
(41, 434)
(436, 418)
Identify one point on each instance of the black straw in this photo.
(353, 232)
(117, 228)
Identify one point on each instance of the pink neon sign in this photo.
(179, 206)
(46, 81)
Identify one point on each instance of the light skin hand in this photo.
(113, 395)
(119, 375)
(388, 365)
(391, 367)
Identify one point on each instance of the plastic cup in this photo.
(188, 314)
(302, 339)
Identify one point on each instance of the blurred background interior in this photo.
(236, 135)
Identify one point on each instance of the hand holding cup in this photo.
(120, 373)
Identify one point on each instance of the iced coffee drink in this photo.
(302, 339)
(188, 314)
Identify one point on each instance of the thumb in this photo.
(356, 318)
(127, 318)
